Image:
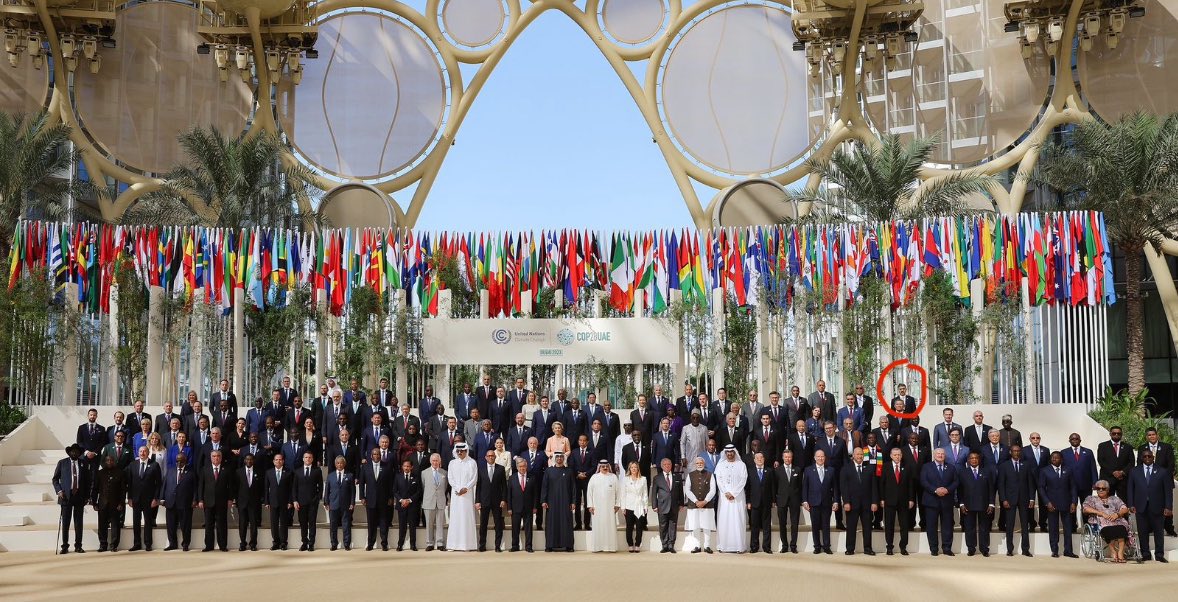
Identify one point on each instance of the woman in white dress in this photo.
(603, 498)
(731, 515)
(503, 457)
(699, 490)
(635, 501)
(530, 408)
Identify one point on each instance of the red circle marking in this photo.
(923, 389)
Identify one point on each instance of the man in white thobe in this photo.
(462, 473)
(603, 498)
(731, 517)
(692, 440)
(701, 519)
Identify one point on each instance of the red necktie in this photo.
(1077, 455)
(522, 480)
(897, 473)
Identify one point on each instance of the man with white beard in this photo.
(731, 518)
(462, 473)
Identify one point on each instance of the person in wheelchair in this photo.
(1108, 513)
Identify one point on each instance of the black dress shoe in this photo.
(274, 548)
(1009, 553)
(1162, 559)
(849, 553)
(768, 551)
(347, 547)
(482, 549)
(529, 550)
(333, 548)
(429, 548)
(696, 550)
(311, 547)
(441, 548)
(674, 551)
(827, 550)
(241, 548)
(1028, 554)
(970, 553)
(384, 547)
(79, 550)
(949, 553)
(206, 550)
(101, 548)
(985, 554)
(253, 548)
(869, 552)
(890, 553)
(931, 553)
(903, 552)
(664, 551)
(368, 548)
(402, 548)
(303, 548)
(1055, 554)
(1171, 533)
(184, 548)
(135, 548)
(1070, 555)
(283, 547)
(707, 550)
(513, 550)
(793, 549)
(817, 550)
(147, 549)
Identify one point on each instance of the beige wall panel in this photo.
(23, 89)
(1142, 72)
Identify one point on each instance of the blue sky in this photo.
(553, 140)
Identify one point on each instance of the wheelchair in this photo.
(1095, 548)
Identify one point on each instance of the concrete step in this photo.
(13, 517)
(26, 493)
(39, 456)
(34, 473)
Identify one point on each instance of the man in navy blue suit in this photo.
(860, 495)
(1081, 463)
(517, 436)
(339, 495)
(664, 444)
(1151, 498)
(975, 498)
(1057, 489)
(177, 495)
(1016, 493)
(819, 498)
(92, 437)
(465, 402)
(71, 482)
(939, 482)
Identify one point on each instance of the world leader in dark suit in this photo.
(522, 496)
(1017, 488)
(71, 482)
(177, 496)
(339, 499)
(407, 495)
(1057, 489)
(819, 498)
(214, 489)
(939, 483)
(491, 500)
(1151, 498)
(375, 485)
(897, 495)
(788, 498)
(306, 493)
(860, 497)
(278, 500)
(251, 488)
(144, 478)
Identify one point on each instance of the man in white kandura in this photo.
(462, 474)
(731, 517)
(699, 490)
(603, 498)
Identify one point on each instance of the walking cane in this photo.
(56, 549)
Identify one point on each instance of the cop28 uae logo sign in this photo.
(501, 336)
(565, 337)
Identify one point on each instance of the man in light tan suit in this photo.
(435, 492)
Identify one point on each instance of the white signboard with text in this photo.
(551, 341)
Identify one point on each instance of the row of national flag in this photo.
(1064, 257)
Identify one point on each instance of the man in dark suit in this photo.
(864, 402)
(801, 444)
(517, 397)
(225, 417)
(92, 437)
(254, 448)
(306, 493)
(769, 436)
(375, 488)
(485, 396)
(337, 408)
(637, 450)
(402, 422)
(886, 436)
(286, 395)
(575, 422)
(163, 420)
(975, 498)
(821, 398)
(1057, 489)
(939, 482)
(819, 498)
(1115, 458)
(860, 496)
(435, 426)
(611, 424)
(465, 402)
(787, 478)
(491, 500)
(903, 403)
(1081, 463)
(383, 395)
(1151, 498)
(977, 434)
(759, 490)
(1038, 456)
(223, 393)
(685, 404)
(642, 417)
(599, 442)
(197, 425)
(522, 496)
(517, 436)
(407, 494)
(110, 493)
(485, 441)
(1163, 457)
(213, 491)
(278, 500)
(941, 429)
(666, 498)
(428, 405)
(542, 421)
(664, 444)
(956, 453)
(121, 426)
(917, 456)
(119, 450)
(1016, 492)
(297, 415)
(71, 482)
(994, 454)
(796, 407)
(144, 478)
(912, 427)
(348, 449)
(135, 419)
(499, 412)
(339, 499)
(177, 496)
(251, 489)
(729, 433)
(897, 494)
(582, 464)
(835, 450)
(370, 436)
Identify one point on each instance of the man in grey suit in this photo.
(339, 500)
(471, 428)
(435, 492)
(823, 399)
(751, 409)
(666, 496)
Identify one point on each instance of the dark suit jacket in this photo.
(517, 443)
(1058, 490)
(988, 460)
(409, 488)
(803, 452)
(576, 423)
(351, 457)
(278, 493)
(665, 448)
(924, 437)
(1151, 496)
(373, 490)
(759, 492)
(931, 478)
(110, 488)
(611, 426)
(370, 440)
(1017, 487)
(178, 493)
(788, 490)
(215, 492)
(303, 414)
(922, 457)
(818, 493)
(737, 439)
(906, 406)
(490, 491)
(163, 423)
(1109, 461)
(143, 489)
(92, 441)
(897, 494)
(835, 456)
(463, 405)
(62, 482)
(976, 494)
(428, 407)
(588, 465)
(339, 496)
(1044, 456)
(307, 489)
(859, 489)
(1083, 470)
(645, 423)
(248, 495)
(887, 443)
(483, 398)
(229, 396)
(970, 436)
(641, 456)
(770, 446)
(1164, 458)
(522, 500)
(683, 406)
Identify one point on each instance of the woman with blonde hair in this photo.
(635, 502)
(155, 448)
(529, 408)
(503, 457)
(556, 443)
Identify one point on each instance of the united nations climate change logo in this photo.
(501, 336)
(565, 337)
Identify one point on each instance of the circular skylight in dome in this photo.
(633, 22)
(733, 91)
(372, 104)
(153, 87)
(474, 23)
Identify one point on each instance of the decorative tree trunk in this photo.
(1134, 330)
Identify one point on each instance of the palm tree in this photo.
(32, 152)
(230, 182)
(882, 183)
(1129, 171)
